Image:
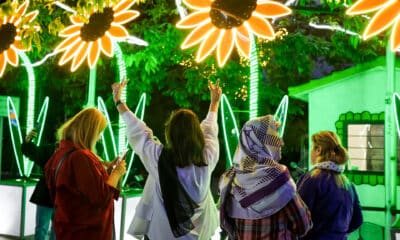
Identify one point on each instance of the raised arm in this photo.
(215, 93)
(140, 136)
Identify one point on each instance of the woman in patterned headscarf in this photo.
(258, 196)
(330, 196)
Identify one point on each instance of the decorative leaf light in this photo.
(222, 24)
(10, 35)
(388, 14)
(87, 39)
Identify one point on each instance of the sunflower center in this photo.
(231, 13)
(7, 32)
(99, 23)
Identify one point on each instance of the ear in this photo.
(318, 150)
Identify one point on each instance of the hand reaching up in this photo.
(215, 93)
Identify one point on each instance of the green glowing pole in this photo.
(253, 95)
(28, 165)
(390, 142)
(122, 76)
(92, 87)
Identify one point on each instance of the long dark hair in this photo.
(185, 138)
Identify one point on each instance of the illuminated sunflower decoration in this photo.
(388, 14)
(10, 35)
(222, 24)
(87, 39)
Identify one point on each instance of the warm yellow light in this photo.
(87, 40)
(10, 32)
(388, 14)
(222, 25)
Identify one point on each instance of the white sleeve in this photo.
(140, 137)
(210, 130)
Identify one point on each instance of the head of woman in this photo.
(259, 139)
(185, 138)
(84, 128)
(326, 146)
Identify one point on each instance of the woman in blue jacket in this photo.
(329, 195)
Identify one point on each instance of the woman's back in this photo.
(331, 206)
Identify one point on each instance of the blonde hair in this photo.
(84, 128)
(331, 150)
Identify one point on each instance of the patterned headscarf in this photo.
(257, 180)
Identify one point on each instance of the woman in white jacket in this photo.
(176, 201)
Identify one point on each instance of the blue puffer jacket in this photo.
(335, 211)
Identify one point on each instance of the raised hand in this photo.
(215, 93)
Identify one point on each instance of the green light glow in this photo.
(41, 120)
(28, 165)
(396, 108)
(122, 143)
(253, 91)
(281, 114)
(107, 137)
(24, 164)
(16, 137)
(92, 87)
(229, 129)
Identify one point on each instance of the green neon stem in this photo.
(16, 136)
(122, 76)
(28, 165)
(253, 95)
(231, 138)
(281, 114)
(92, 87)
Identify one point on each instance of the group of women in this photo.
(259, 199)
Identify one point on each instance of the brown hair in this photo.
(331, 150)
(185, 138)
(84, 128)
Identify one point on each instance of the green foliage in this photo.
(169, 74)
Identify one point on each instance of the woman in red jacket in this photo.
(81, 188)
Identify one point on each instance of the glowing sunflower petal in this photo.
(21, 11)
(94, 53)
(32, 15)
(273, 9)
(198, 4)
(242, 40)
(123, 5)
(70, 52)
(106, 45)
(76, 20)
(82, 51)
(197, 35)
(118, 31)
(3, 64)
(18, 45)
(366, 6)
(225, 47)
(260, 27)
(208, 45)
(12, 56)
(193, 19)
(126, 16)
(67, 42)
(382, 20)
(70, 31)
(395, 38)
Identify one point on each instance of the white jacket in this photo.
(150, 216)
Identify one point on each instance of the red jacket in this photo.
(84, 203)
